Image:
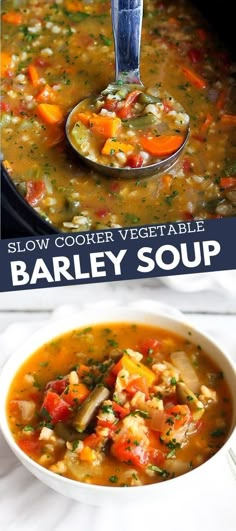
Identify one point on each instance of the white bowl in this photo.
(102, 495)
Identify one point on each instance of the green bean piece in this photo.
(89, 407)
(147, 98)
(141, 122)
(21, 187)
(186, 396)
(67, 433)
(72, 206)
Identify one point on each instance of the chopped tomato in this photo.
(57, 385)
(130, 451)
(138, 384)
(125, 110)
(156, 456)
(29, 444)
(39, 61)
(119, 410)
(102, 213)
(135, 161)
(227, 182)
(110, 104)
(5, 107)
(110, 380)
(167, 107)
(55, 408)
(195, 55)
(180, 415)
(92, 440)
(149, 346)
(34, 192)
(115, 187)
(107, 424)
(186, 165)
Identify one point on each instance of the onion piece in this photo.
(27, 408)
(188, 374)
(157, 422)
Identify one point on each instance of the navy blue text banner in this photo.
(118, 254)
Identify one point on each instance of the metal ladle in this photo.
(127, 25)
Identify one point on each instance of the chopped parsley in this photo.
(113, 479)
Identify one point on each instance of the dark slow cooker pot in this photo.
(20, 219)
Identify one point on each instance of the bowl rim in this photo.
(91, 317)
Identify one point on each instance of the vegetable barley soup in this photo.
(128, 127)
(56, 53)
(120, 405)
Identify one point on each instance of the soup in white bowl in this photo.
(120, 400)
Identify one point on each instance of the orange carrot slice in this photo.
(33, 75)
(50, 114)
(12, 17)
(5, 63)
(228, 119)
(206, 124)
(195, 79)
(161, 146)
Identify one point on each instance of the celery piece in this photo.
(80, 134)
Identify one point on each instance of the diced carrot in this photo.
(228, 119)
(206, 124)
(12, 17)
(50, 114)
(74, 5)
(195, 79)
(33, 75)
(133, 367)
(104, 125)
(87, 454)
(161, 146)
(227, 182)
(46, 95)
(200, 138)
(83, 370)
(82, 117)
(222, 99)
(114, 146)
(167, 181)
(5, 62)
(75, 393)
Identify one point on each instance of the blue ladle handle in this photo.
(127, 18)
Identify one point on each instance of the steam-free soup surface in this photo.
(56, 53)
(120, 405)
